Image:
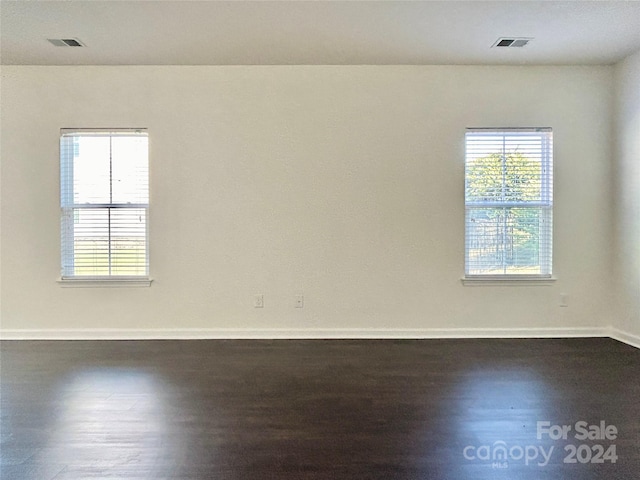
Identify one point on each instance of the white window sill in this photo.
(104, 282)
(507, 280)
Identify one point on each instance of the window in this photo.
(104, 198)
(508, 203)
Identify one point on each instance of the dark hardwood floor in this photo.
(320, 409)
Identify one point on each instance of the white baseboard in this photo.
(277, 333)
(625, 337)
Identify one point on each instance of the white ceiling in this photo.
(317, 32)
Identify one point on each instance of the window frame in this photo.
(544, 205)
(70, 209)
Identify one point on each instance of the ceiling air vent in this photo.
(512, 42)
(66, 42)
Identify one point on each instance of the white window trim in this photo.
(508, 280)
(104, 282)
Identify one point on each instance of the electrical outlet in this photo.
(258, 301)
(563, 300)
(299, 301)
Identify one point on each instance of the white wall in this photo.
(341, 183)
(627, 193)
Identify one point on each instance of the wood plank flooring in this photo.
(319, 409)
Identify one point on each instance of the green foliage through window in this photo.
(508, 199)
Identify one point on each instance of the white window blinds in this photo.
(508, 202)
(104, 198)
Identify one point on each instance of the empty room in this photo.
(320, 240)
